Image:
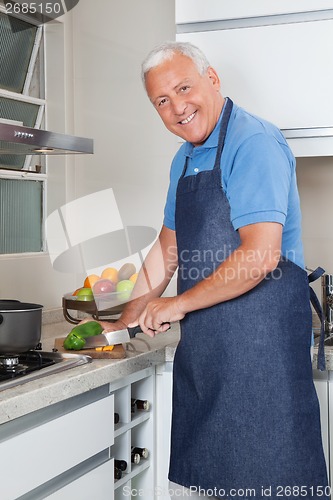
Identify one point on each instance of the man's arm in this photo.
(257, 255)
(154, 276)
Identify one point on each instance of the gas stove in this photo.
(17, 369)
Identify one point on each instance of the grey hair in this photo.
(167, 50)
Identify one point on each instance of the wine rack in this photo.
(135, 429)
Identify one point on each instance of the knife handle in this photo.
(137, 329)
(134, 330)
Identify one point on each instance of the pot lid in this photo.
(7, 305)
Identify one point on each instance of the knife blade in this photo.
(111, 338)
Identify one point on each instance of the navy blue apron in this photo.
(245, 410)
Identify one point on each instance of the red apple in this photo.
(103, 286)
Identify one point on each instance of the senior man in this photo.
(245, 412)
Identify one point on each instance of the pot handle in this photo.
(1, 319)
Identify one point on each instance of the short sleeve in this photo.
(259, 182)
(170, 204)
(170, 208)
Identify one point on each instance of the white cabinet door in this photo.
(163, 427)
(191, 11)
(330, 412)
(52, 448)
(322, 388)
(283, 73)
(98, 484)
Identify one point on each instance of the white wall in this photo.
(132, 148)
(104, 99)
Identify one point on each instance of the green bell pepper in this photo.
(75, 340)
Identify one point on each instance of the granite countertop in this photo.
(26, 398)
(145, 352)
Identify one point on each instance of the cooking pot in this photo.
(20, 326)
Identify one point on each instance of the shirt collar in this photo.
(211, 141)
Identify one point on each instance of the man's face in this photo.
(188, 103)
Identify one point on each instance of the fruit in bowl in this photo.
(124, 290)
(110, 273)
(112, 284)
(104, 286)
(126, 271)
(84, 294)
(90, 280)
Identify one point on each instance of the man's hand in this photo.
(158, 314)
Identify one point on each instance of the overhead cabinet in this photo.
(278, 67)
(192, 11)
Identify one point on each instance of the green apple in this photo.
(85, 294)
(124, 290)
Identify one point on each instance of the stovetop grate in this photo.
(26, 363)
(38, 364)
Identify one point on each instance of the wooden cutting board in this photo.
(118, 351)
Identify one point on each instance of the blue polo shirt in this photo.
(258, 177)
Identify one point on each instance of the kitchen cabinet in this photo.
(94, 484)
(330, 414)
(68, 449)
(135, 429)
(273, 61)
(266, 70)
(163, 427)
(193, 11)
(45, 451)
(322, 388)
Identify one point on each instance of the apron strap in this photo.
(223, 131)
(226, 112)
(317, 273)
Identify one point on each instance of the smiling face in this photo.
(188, 103)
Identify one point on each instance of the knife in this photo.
(111, 338)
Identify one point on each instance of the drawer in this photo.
(31, 458)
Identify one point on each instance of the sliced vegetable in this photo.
(72, 342)
(75, 338)
(105, 348)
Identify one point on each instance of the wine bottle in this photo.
(140, 404)
(116, 418)
(135, 458)
(143, 452)
(120, 464)
(118, 474)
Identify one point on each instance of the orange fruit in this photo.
(90, 280)
(76, 291)
(134, 277)
(110, 273)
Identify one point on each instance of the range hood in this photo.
(20, 140)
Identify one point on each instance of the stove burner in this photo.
(14, 365)
(8, 362)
